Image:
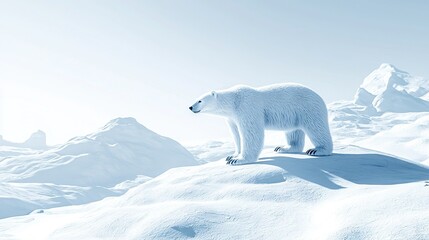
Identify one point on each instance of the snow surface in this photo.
(366, 190)
(355, 193)
(105, 163)
(211, 151)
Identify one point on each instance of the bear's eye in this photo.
(199, 101)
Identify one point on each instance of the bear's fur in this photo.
(292, 108)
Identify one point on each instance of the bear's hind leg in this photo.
(295, 139)
(320, 136)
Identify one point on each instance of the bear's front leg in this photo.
(237, 142)
(252, 141)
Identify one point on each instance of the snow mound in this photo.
(107, 162)
(388, 89)
(352, 194)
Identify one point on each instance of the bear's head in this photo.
(208, 103)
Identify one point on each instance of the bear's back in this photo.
(289, 91)
(283, 87)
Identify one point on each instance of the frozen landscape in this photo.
(126, 182)
(107, 162)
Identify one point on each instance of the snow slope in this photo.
(211, 151)
(107, 162)
(354, 194)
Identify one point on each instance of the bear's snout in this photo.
(193, 109)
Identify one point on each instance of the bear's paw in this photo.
(280, 149)
(231, 160)
(317, 152)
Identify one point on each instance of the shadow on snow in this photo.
(371, 169)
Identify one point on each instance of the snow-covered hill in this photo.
(107, 162)
(355, 193)
(120, 151)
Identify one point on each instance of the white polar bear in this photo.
(292, 108)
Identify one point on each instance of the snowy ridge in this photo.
(97, 165)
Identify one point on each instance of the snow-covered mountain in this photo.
(389, 113)
(388, 89)
(107, 162)
(119, 151)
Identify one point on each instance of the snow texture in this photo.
(354, 193)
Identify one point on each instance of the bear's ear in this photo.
(214, 94)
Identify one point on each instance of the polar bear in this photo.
(288, 107)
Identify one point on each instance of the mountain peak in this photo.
(121, 129)
(384, 77)
(388, 67)
(37, 140)
(124, 121)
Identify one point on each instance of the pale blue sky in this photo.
(68, 67)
